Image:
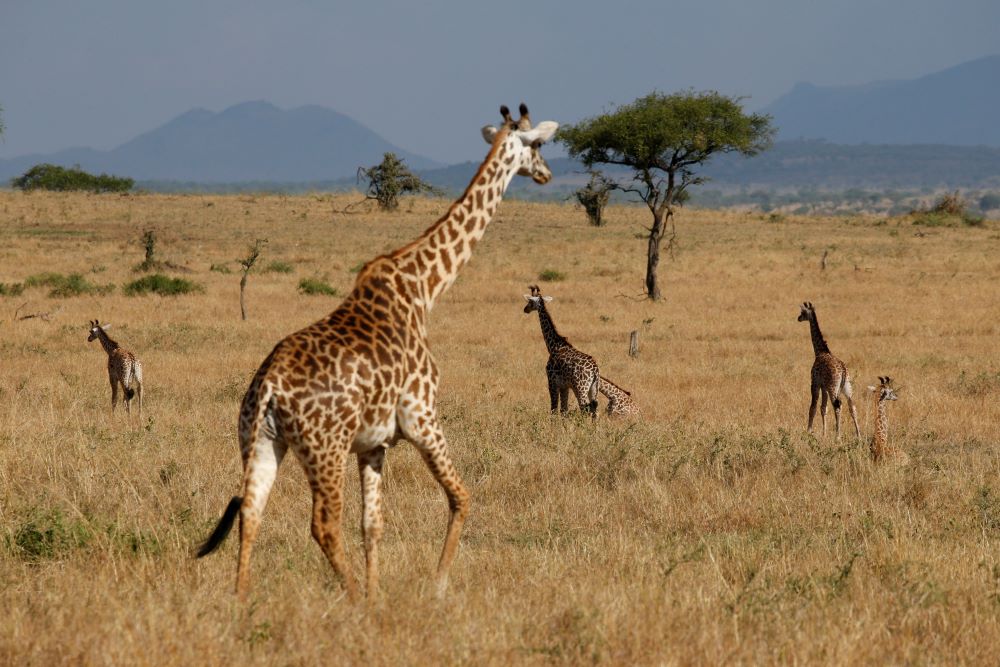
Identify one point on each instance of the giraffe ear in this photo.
(106, 326)
(547, 298)
(489, 133)
(527, 297)
(871, 389)
(542, 132)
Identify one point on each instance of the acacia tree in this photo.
(391, 178)
(663, 139)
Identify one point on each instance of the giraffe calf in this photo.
(123, 368)
(880, 448)
(620, 402)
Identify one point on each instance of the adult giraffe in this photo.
(363, 377)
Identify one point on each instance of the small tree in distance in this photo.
(390, 179)
(253, 254)
(593, 197)
(663, 139)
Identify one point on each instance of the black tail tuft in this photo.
(225, 525)
(129, 393)
(593, 407)
(836, 404)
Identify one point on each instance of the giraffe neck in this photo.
(109, 345)
(881, 437)
(553, 340)
(819, 343)
(434, 259)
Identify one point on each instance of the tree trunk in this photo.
(243, 307)
(653, 255)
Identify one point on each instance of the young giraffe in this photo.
(620, 402)
(363, 378)
(567, 367)
(829, 376)
(123, 368)
(880, 448)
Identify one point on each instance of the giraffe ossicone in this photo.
(363, 377)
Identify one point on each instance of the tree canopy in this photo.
(663, 139)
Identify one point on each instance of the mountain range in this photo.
(253, 141)
(956, 106)
(837, 132)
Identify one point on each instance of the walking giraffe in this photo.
(123, 368)
(567, 367)
(620, 402)
(363, 378)
(829, 376)
(880, 448)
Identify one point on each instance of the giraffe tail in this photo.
(222, 529)
(129, 393)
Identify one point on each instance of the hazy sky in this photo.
(426, 74)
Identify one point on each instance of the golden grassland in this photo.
(716, 530)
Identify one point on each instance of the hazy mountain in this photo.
(253, 141)
(956, 106)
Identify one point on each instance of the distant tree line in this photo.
(53, 177)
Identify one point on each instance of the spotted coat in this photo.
(567, 368)
(363, 377)
(829, 376)
(620, 402)
(124, 369)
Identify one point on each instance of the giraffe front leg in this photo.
(812, 407)
(553, 396)
(370, 471)
(822, 410)
(433, 447)
(114, 397)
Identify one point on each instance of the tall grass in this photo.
(714, 531)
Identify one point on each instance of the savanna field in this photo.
(715, 530)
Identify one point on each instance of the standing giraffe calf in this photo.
(880, 448)
(363, 378)
(567, 367)
(620, 403)
(829, 376)
(123, 368)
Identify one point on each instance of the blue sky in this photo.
(426, 75)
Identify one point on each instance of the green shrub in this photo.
(11, 289)
(220, 268)
(53, 177)
(47, 535)
(315, 286)
(549, 276)
(158, 283)
(65, 286)
(277, 266)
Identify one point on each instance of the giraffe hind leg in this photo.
(260, 467)
(370, 472)
(812, 407)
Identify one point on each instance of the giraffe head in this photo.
(807, 311)
(884, 391)
(95, 327)
(534, 299)
(523, 142)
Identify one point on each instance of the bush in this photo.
(949, 210)
(391, 178)
(277, 266)
(158, 283)
(220, 268)
(594, 196)
(989, 201)
(48, 535)
(549, 276)
(53, 177)
(315, 286)
(65, 286)
(11, 289)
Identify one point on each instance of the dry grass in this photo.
(714, 531)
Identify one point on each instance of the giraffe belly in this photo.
(384, 432)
